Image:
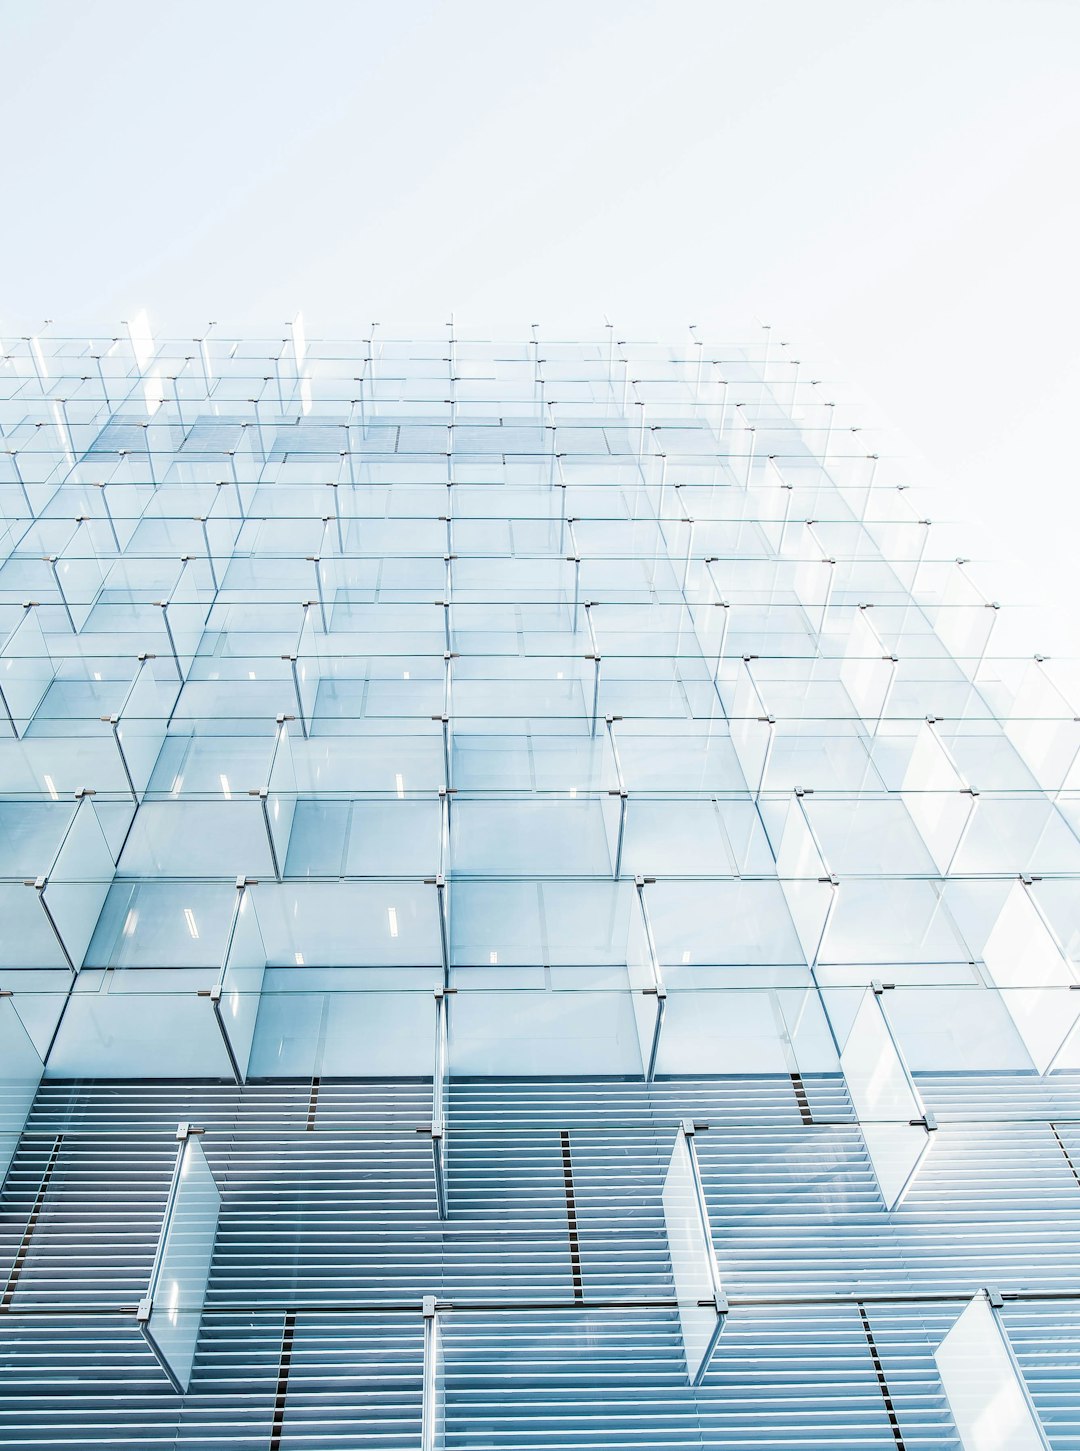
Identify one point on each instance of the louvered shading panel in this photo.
(784, 1378)
(553, 1274)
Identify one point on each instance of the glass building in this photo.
(534, 915)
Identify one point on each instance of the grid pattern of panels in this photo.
(463, 778)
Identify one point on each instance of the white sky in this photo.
(893, 184)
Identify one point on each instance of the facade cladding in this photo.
(551, 828)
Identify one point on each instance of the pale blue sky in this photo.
(893, 184)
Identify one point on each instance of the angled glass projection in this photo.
(433, 1415)
(894, 1121)
(170, 1312)
(703, 1306)
(987, 1394)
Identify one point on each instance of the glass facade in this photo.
(534, 914)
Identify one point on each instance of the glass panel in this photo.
(26, 672)
(737, 923)
(307, 670)
(781, 1031)
(932, 790)
(693, 1260)
(20, 1074)
(803, 877)
(27, 939)
(529, 923)
(181, 838)
(391, 924)
(962, 620)
(885, 1101)
(1020, 952)
(529, 838)
(956, 1030)
(986, 1392)
(80, 880)
(152, 923)
(812, 580)
(281, 798)
(1021, 955)
(185, 615)
(310, 1033)
(866, 671)
(1043, 727)
(523, 1032)
(868, 837)
(892, 921)
(238, 993)
(170, 1314)
(139, 1024)
(144, 717)
(751, 733)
